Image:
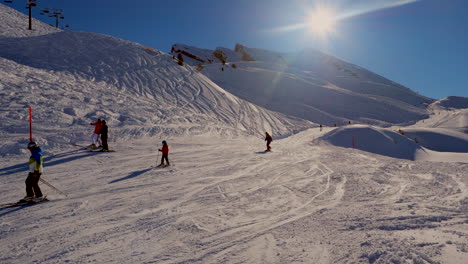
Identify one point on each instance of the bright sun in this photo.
(321, 21)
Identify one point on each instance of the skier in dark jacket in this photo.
(33, 192)
(268, 139)
(103, 132)
(165, 154)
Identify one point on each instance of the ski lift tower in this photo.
(30, 5)
(57, 13)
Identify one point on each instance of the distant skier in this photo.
(165, 154)
(103, 132)
(320, 127)
(33, 192)
(95, 135)
(268, 139)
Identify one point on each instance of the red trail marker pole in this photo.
(30, 124)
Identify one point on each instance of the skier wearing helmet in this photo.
(165, 154)
(33, 192)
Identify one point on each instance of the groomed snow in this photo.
(225, 201)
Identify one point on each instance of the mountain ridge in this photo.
(295, 78)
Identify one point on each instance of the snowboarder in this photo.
(95, 135)
(103, 132)
(33, 192)
(268, 139)
(165, 154)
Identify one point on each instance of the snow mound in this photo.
(439, 139)
(15, 24)
(371, 139)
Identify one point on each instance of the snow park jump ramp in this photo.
(372, 139)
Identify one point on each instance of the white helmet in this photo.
(32, 144)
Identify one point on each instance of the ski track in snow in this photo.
(224, 203)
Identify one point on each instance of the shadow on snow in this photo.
(131, 175)
(48, 161)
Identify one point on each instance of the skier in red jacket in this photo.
(95, 136)
(165, 154)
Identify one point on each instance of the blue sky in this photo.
(420, 44)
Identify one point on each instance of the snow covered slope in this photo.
(309, 85)
(15, 24)
(224, 200)
(439, 139)
(73, 78)
(451, 102)
(450, 113)
(446, 129)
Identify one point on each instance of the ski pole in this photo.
(51, 186)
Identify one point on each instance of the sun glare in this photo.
(321, 21)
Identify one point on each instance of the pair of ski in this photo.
(23, 202)
(93, 149)
(101, 150)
